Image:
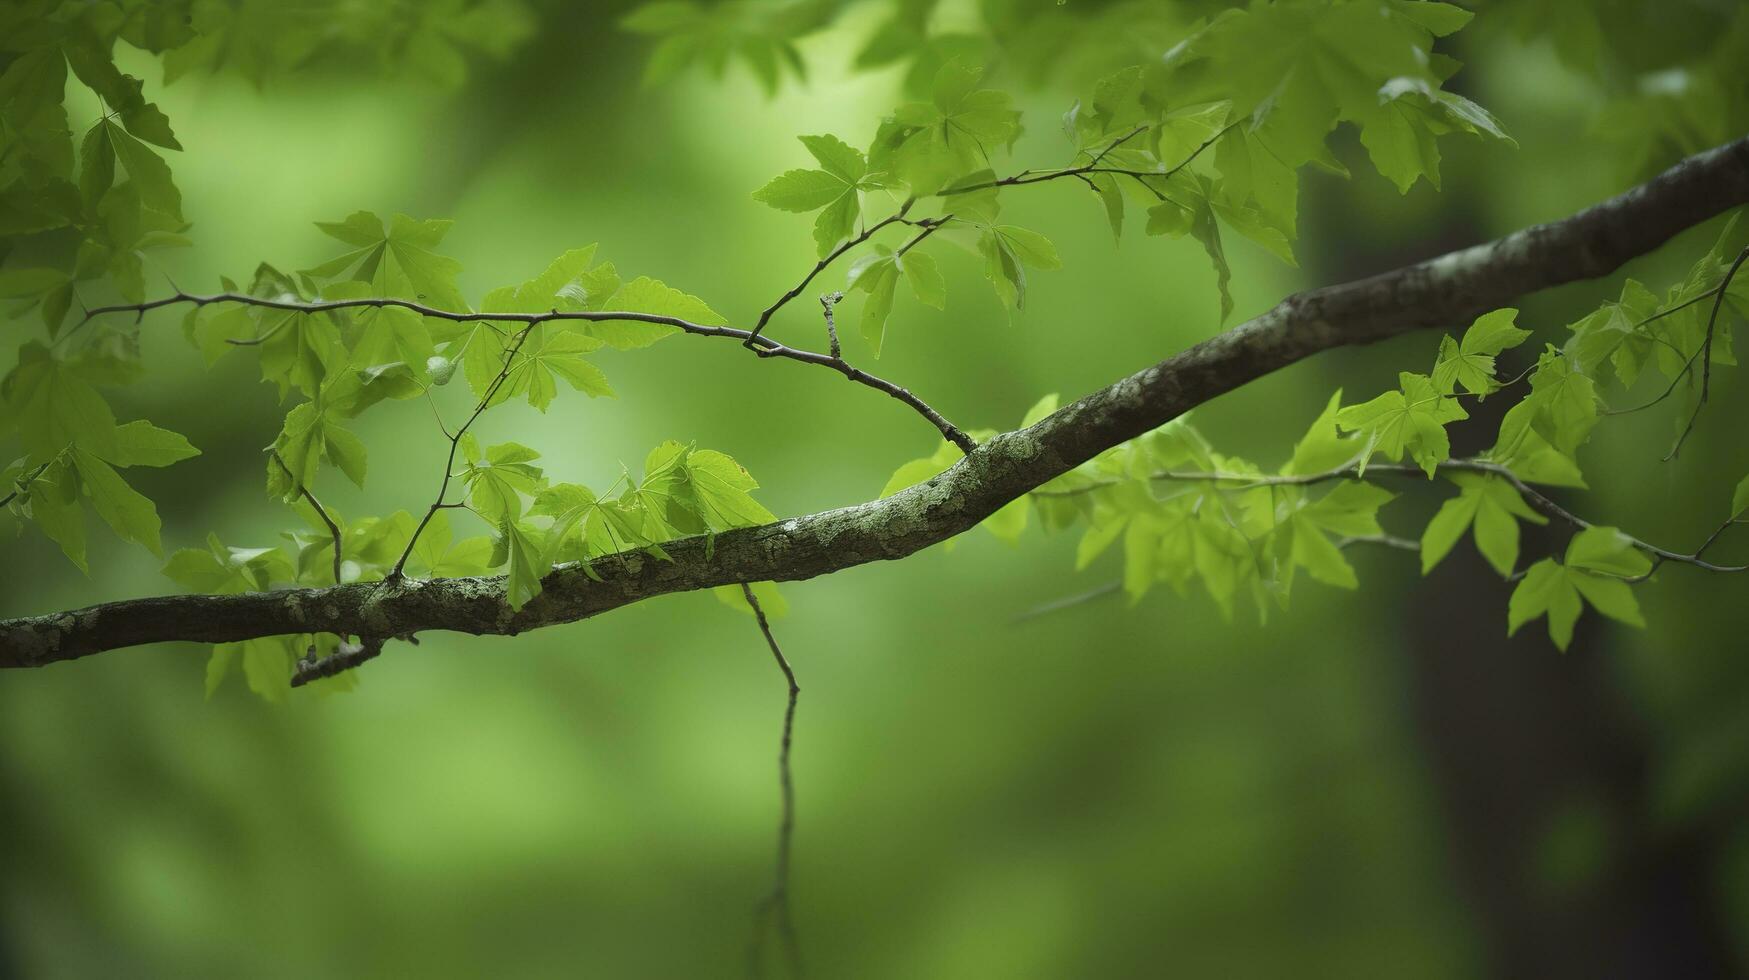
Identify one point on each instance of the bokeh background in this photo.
(1372, 784)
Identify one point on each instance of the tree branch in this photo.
(1447, 290)
(761, 345)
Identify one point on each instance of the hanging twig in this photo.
(776, 904)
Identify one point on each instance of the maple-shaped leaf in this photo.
(834, 190)
(929, 145)
(1598, 559)
(553, 352)
(398, 258)
(497, 478)
(1411, 419)
(1470, 362)
(1490, 506)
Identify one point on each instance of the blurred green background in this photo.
(1372, 784)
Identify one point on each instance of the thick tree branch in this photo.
(1444, 291)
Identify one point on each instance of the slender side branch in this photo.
(25, 482)
(1093, 167)
(1450, 289)
(1706, 353)
(322, 512)
(764, 346)
(777, 902)
(455, 440)
(754, 335)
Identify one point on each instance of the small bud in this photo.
(440, 367)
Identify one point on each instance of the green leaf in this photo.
(1597, 560)
(1400, 132)
(769, 598)
(1007, 250)
(346, 451)
(1438, 18)
(1187, 210)
(149, 123)
(1608, 551)
(54, 505)
(876, 274)
(96, 164)
(923, 278)
(496, 483)
(836, 223)
(1494, 507)
(140, 443)
(838, 158)
(527, 563)
(1320, 556)
(930, 144)
(267, 665)
(1471, 363)
(721, 491)
(219, 664)
(646, 295)
(1740, 499)
(228, 571)
(1411, 419)
(556, 352)
(1031, 247)
(1322, 448)
(434, 551)
(1447, 526)
(918, 470)
(1564, 403)
(1350, 510)
(53, 407)
(149, 173)
(396, 258)
(1545, 588)
(122, 507)
(390, 334)
(801, 191)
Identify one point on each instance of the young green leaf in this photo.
(1597, 561)
(396, 258)
(1489, 505)
(497, 481)
(122, 507)
(1471, 362)
(1411, 419)
(526, 562)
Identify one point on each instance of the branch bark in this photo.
(1443, 291)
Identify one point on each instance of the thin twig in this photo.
(928, 228)
(454, 442)
(764, 346)
(1382, 540)
(820, 267)
(1067, 602)
(24, 484)
(1093, 167)
(322, 512)
(1706, 352)
(777, 902)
